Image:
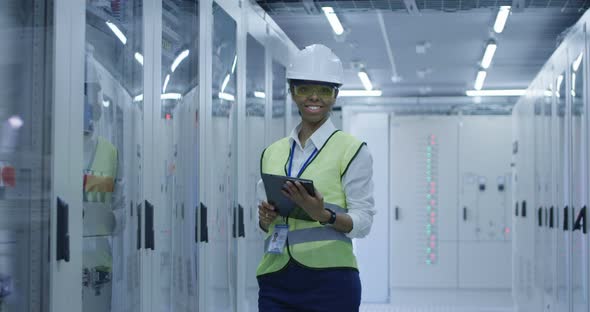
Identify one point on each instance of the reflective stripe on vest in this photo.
(310, 243)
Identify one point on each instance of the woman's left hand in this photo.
(313, 205)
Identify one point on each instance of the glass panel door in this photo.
(26, 71)
(112, 184)
(579, 188)
(221, 162)
(179, 143)
(562, 199)
(255, 128)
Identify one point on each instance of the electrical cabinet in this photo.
(556, 105)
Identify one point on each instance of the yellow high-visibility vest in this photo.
(309, 243)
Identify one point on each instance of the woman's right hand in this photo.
(266, 214)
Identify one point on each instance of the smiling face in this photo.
(314, 100)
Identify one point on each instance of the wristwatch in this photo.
(332, 217)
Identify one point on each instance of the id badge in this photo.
(278, 239)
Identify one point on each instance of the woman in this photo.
(314, 268)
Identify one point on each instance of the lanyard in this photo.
(304, 165)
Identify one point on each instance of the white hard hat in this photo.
(316, 62)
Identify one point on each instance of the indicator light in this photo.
(432, 220)
(432, 244)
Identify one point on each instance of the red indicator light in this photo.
(507, 230)
(432, 214)
(432, 137)
(433, 237)
(432, 220)
(432, 257)
(432, 202)
(433, 184)
(432, 191)
(168, 116)
(432, 244)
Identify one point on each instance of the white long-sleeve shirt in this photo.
(357, 181)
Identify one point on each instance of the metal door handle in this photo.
(139, 212)
(464, 213)
(396, 213)
(204, 230)
(241, 225)
(580, 223)
(149, 226)
(523, 209)
(516, 209)
(540, 216)
(551, 217)
(566, 218)
(63, 232)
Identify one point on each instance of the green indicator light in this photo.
(428, 226)
(429, 148)
(428, 160)
(428, 250)
(428, 262)
(428, 179)
(429, 155)
(429, 208)
(428, 196)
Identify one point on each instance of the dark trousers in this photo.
(299, 289)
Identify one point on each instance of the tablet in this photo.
(273, 185)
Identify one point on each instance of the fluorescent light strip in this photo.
(171, 96)
(15, 122)
(138, 98)
(260, 95)
(166, 83)
(333, 20)
(365, 80)
(501, 19)
(548, 93)
(516, 92)
(488, 55)
(225, 82)
(226, 96)
(117, 32)
(139, 58)
(578, 62)
(179, 59)
(233, 67)
(360, 93)
(481, 77)
(559, 81)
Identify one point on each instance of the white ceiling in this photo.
(457, 42)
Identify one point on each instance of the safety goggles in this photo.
(310, 89)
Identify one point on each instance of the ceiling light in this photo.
(138, 98)
(360, 93)
(333, 19)
(117, 32)
(166, 83)
(226, 96)
(171, 96)
(365, 80)
(501, 19)
(260, 95)
(489, 55)
(225, 82)
(233, 67)
(481, 77)
(559, 81)
(515, 92)
(15, 122)
(179, 59)
(106, 103)
(139, 58)
(548, 93)
(578, 62)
